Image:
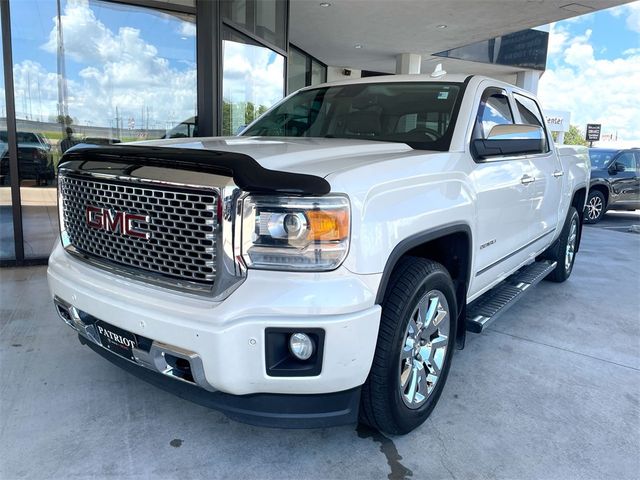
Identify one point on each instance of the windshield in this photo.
(23, 137)
(419, 114)
(600, 158)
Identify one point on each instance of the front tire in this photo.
(595, 208)
(414, 349)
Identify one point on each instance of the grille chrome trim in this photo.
(224, 272)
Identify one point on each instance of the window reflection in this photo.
(264, 18)
(253, 80)
(92, 72)
(304, 70)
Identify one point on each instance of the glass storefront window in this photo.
(264, 18)
(318, 73)
(7, 243)
(297, 70)
(253, 80)
(92, 72)
(304, 70)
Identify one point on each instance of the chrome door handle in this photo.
(527, 179)
(558, 173)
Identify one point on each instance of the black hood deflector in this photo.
(247, 173)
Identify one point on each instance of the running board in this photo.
(488, 307)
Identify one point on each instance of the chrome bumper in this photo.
(161, 357)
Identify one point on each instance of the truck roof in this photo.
(446, 78)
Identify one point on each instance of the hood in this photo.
(312, 156)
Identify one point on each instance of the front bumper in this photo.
(226, 340)
(262, 409)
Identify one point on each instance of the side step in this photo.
(485, 309)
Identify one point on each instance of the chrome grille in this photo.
(182, 223)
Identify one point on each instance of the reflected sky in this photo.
(135, 60)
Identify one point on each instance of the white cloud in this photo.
(595, 90)
(187, 29)
(632, 13)
(118, 69)
(252, 74)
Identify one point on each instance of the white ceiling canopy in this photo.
(368, 34)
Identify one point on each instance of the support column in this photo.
(528, 80)
(208, 54)
(408, 63)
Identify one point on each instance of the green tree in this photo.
(575, 137)
(64, 120)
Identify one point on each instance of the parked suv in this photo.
(34, 158)
(615, 182)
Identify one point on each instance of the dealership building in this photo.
(98, 71)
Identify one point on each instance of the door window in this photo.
(494, 110)
(530, 113)
(627, 159)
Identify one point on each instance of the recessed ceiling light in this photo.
(441, 26)
(357, 45)
(325, 4)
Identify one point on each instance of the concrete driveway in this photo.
(551, 391)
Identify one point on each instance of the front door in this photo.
(504, 205)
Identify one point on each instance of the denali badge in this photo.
(116, 222)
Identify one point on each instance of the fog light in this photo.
(301, 346)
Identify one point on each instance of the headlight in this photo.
(295, 233)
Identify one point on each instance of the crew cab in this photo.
(323, 266)
(615, 182)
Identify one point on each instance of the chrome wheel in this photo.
(424, 349)
(571, 245)
(594, 207)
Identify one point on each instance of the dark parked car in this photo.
(615, 182)
(34, 158)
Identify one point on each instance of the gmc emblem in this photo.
(116, 222)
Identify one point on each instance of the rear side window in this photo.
(530, 113)
(627, 159)
(494, 110)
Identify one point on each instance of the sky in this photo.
(127, 61)
(593, 70)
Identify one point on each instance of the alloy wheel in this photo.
(571, 245)
(594, 208)
(424, 349)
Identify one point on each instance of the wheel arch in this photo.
(602, 188)
(450, 245)
(578, 202)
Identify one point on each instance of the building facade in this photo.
(114, 71)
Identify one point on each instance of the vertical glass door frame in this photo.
(12, 143)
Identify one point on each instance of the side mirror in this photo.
(511, 139)
(616, 167)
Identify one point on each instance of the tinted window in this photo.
(529, 111)
(601, 158)
(416, 113)
(494, 110)
(627, 159)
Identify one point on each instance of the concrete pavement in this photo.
(551, 391)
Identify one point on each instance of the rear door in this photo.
(546, 189)
(503, 204)
(624, 185)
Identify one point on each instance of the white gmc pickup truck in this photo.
(323, 266)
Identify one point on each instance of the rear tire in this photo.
(564, 249)
(595, 208)
(415, 345)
